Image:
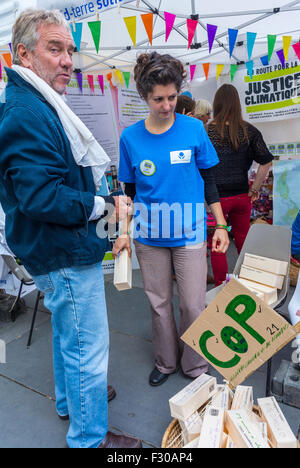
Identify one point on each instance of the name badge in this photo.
(181, 157)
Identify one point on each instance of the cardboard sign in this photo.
(238, 332)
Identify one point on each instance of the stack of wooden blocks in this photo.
(213, 416)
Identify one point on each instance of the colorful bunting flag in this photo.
(233, 70)
(95, 27)
(119, 77)
(10, 47)
(250, 67)
(211, 33)
(90, 79)
(206, 67)
(77, 34)
(130, 22)
(280, 54)
(0, 70)
(109, 79)
(79, 80)
(251, 38)
(265, 60)
(170, 20)
(148, 23)
(286, 46)
(233, 34)
(296, 48)
(220, 68)
(271, 45)
(192, 26)
(126, 76)
(192, 71)
(8, 59)
(101, 82)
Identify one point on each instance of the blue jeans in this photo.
(76, 298)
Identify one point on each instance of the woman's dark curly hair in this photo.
(155, 69)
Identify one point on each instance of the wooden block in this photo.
(192, 397)
(279, 432)
(277, 267)
(243, 431)
(263, 277)
(223, 397)
(123, 271)
(243, 398)
(191, 427)
(230, 444)
(213, 428)
(270, 294)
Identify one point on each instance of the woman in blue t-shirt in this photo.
(165, 163)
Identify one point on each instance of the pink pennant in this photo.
(90, 79)
(101, 82)
(170, 20)
(296, 48)
(192, 71)
(191, 25)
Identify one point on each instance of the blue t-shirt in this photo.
(169, 201)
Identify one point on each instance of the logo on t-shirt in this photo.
(147, 167)
(180, 157)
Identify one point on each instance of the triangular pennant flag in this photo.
(220, 68)
(211, 33)
(286, 46)
(119, 76)
(90, 79)
(296, 48)
(8, 59)
(130, 22)
(206, 67)
(148, 23)
(170, 20)
(265, 60)
(233, 70)
(126, 76)
(95, 27)
(192, 26)
(77, 35)
(271, 45)
(0, 70)
(10, 47)
(109, 79)
(101, 82)
(192, 71)
(233, 34)
(250, 66)
(251, 38)
(79, 80)
(281, 57)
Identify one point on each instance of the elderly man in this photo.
(50, 168)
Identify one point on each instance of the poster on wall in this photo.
(272, 94)
(286, 196)
(132, 108)
(97, 112)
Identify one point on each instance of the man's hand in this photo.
(123, 208)
(123, 242)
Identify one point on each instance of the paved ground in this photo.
(27, 407)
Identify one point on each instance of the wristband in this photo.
(223, 226)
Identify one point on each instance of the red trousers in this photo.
(237, 211)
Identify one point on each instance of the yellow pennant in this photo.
(219, 70)
(119, 76)
(130, 22)
(286, 46)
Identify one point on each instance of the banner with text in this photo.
(79, 9)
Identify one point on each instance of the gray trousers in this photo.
(190, 266)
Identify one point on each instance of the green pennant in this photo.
(95, 27)
(233, 70)
(271, 45)
(126, 78)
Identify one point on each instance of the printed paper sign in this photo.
(237, 333)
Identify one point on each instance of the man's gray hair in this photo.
(25, 30)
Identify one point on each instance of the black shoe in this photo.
(157, 378)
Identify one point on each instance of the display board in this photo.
(286, 196)
(132, 108)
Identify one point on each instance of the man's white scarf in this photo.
(86, 150)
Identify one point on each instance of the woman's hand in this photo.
(254, 195)
(123, 242)
(220, 241)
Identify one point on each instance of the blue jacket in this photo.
(46, 196)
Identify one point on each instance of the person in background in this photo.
(185, 105)
(47, 192)
(165, 163)
(203, 110)
(237, 144)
